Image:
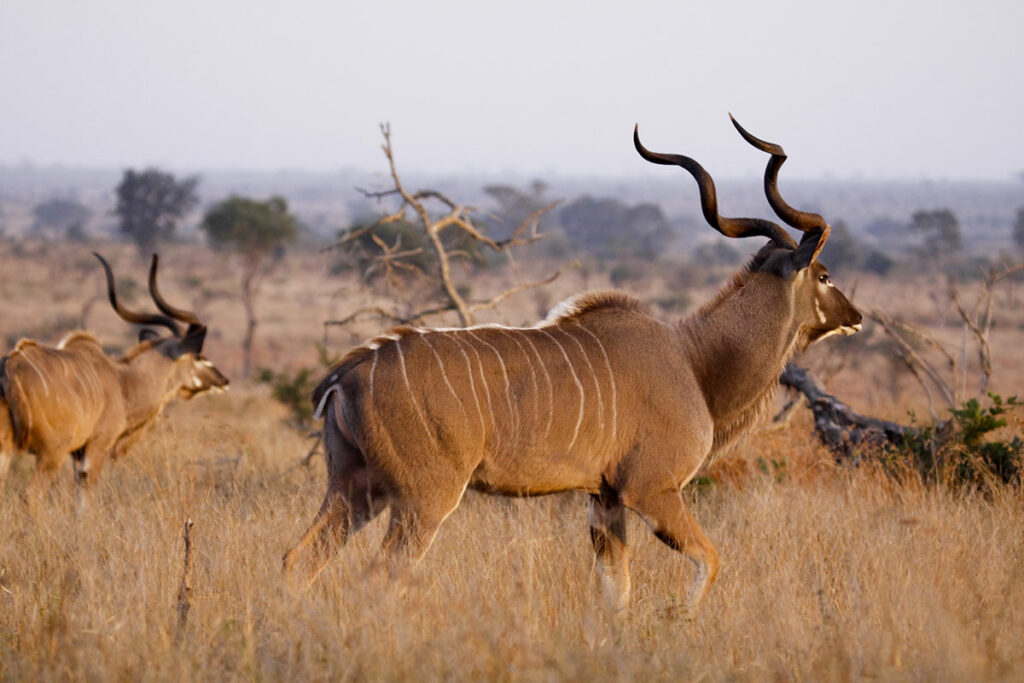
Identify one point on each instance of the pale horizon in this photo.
(879, 91)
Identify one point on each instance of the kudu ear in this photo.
(193, 340)
(807, 251)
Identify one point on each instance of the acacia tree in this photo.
(59, 217)
(150, 203)
(940, 228)
(257, 232)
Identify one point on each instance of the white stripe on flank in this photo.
(611, 376)
(95, 381)
(593, 373)
(533, 376)
(373, 369)
(579, 385)
(412, 394)
(508, 390)
(483, 379)
(444, 374)
(547, 378)
(472, 385)
(46, 385)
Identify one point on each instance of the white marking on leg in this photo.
(579, 385)
(412, 394)
(611, 376)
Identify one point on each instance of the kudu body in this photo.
(600, 396)
(75, 399)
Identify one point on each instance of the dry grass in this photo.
(827, 573)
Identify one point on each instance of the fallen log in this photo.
(847, 433)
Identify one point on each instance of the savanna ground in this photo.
(828, 572)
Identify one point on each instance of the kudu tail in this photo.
(13, 431)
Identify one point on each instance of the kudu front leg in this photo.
(608, 534)
(674, 525)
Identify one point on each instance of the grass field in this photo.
(827, 572)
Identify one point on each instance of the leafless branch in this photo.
(913, 359)
(456, 216)
(483, 305)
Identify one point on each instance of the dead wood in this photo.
(185, 588)
(842, 429)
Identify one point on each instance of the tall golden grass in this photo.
(827, 572)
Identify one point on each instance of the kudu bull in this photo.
(600, 396)
(75, 399)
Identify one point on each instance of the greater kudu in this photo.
(600, 396)
(75, 399)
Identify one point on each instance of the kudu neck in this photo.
(740, 342)
(149, 380)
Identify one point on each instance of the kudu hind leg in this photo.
(413, 526)
(674, 524)
(608, 534)
(351, 502)
(328, 532)
(349, 505)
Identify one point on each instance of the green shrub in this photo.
(294, 389)
(961, 451)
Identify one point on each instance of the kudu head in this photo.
(820, 308)
(192, 373)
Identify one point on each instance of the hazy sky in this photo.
(885, 89)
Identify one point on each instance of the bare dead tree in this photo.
(946, 371)
(421, 204)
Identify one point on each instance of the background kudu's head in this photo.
(820, 308)
(184, 349)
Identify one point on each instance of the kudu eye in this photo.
(823, 278)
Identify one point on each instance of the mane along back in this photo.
(594, 301)
(77, 336)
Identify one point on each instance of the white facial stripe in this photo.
(817, 309)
